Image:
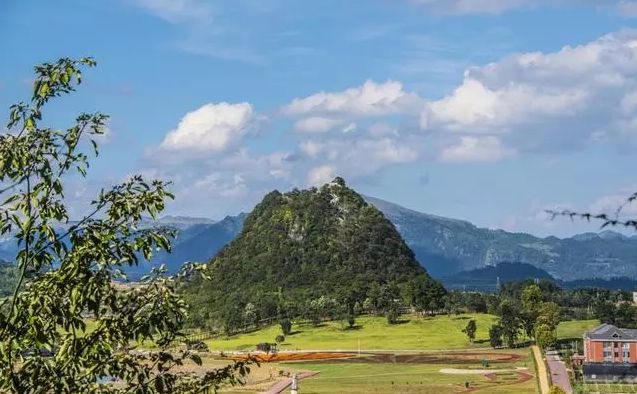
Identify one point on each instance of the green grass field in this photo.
(416, 333)
(426, 378)
(575, 328)
(413, 378)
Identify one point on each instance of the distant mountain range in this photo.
(443, 246)
(446, 246)
(486, 279)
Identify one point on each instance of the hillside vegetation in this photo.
(323, 245)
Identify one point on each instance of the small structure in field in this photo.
(267, 347)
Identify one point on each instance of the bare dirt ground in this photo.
(293, 356)
(423, 358)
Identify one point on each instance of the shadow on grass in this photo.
(353, 328)
(402, 321)
(461, 318)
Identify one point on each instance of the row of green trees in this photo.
(421, 294)
(530, 315)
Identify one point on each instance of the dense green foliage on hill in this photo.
(323, 244)
(7, 278)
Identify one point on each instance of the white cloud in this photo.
(370, 99)
(475, 107)
(547, 101)
(216, 182)
(475, 6)
(500, 6)
(320, 175)
(311, 148)
(610, 203)
(178, 11)
(471, 149)
(349, 128)
(316, 124)
(211, 128)
(359, 156)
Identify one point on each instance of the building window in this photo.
(607, 355)
(626, 352)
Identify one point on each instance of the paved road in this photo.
(541, 370)
(559, 376)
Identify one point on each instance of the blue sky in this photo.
(485, 110)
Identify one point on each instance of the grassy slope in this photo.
(441, 332)
(575, 328)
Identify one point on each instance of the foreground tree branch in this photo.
(67, 271)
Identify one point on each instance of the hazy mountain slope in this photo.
(446, 246)
(194, 242)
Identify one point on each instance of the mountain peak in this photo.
(319, 241)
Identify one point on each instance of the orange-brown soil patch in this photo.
(296, 356)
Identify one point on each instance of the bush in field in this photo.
(286, 326)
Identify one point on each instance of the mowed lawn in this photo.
(415, 333)
(575, 328)
(354, 378)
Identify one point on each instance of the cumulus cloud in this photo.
(370, 99)
(359, 156)
(316, 124)
(472, 149)
(548, 101)
(210, 128)
(475, 107)
(320, 175)
(311, 148)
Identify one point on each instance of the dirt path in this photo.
(281, 385)
(541, 370)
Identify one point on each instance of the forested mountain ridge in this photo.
(446, 246)
(302, 245)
